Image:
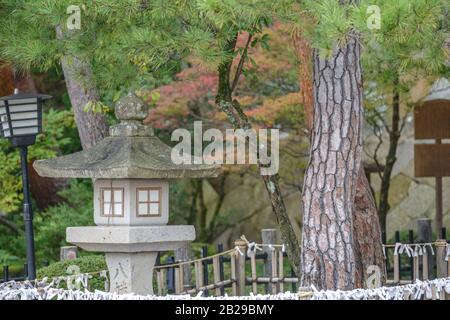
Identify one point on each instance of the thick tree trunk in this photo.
(366, 227)
(328, 249)
(92, 127)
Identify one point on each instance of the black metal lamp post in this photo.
(21, 122)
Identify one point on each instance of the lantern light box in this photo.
(21, 117)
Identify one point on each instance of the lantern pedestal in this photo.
(131, 272)
(131, 251)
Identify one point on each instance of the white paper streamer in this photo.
(400, 248)
(415, 291)
(238, 250)
(43, 291)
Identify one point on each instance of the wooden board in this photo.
(432, 120)
(432, 160)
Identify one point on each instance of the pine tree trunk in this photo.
(328, 249)
(366, 227)
(92, 127)
(366, 232)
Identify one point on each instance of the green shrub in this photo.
(51, 224)
(87, 264)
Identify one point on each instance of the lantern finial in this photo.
(131, 107)
(131, 111)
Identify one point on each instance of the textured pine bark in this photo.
(305, 55)
(366, 227)
(92, 127)
(328, 250)
(366, 232)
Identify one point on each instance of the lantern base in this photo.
(23, 141)
(131, 272)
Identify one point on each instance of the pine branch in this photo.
(241, 63)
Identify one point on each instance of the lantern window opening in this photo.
(112, 202)
(148, 202)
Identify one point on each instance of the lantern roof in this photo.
(440, 90)
(25, 95)
(131, 151)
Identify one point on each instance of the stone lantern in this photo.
(131, 171)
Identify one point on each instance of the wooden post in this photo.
(281, 270)
(274, 270)
(439, 211)
(441, 264)
(178, 281)
(184, 253)
(161, 277)
(254, 276)
(425, 265)
(424, 235)
(416, 263)
(268, 236)
(240, 267)
(198, 275)
(397, 268)
(216, 271)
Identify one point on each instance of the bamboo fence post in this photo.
(216, 271)
(178, 283)
(433, 292)
(397, 268)
(274, 270)
(441, 264)
(424, 235)
(268, 236)
(240, 267)
(281, 270)
(254, 276)
(184, 253)
(416, 274)
(183, 287)
(425, 264)
(198, 275)
(161, 276)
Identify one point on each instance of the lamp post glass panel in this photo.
(21, 122)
